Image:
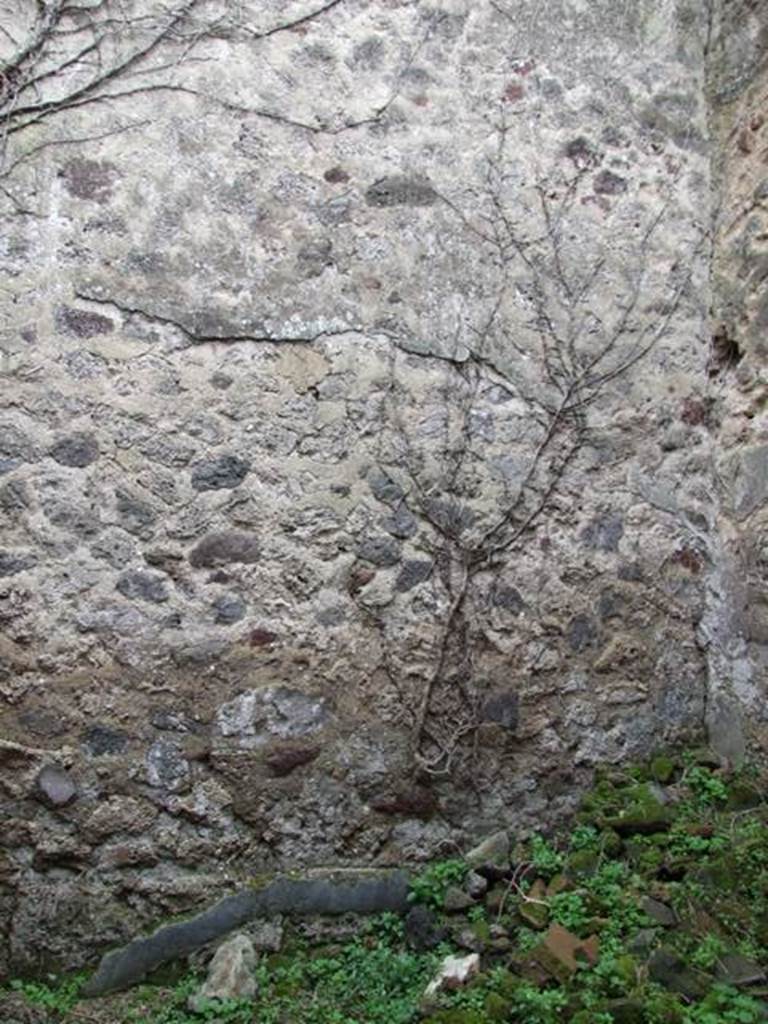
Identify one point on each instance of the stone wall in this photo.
(739, 626)
(363, 441)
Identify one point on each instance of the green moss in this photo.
(496, 1007)
(663, 769)
(582, 863)
(610, 843)
(460, 1015)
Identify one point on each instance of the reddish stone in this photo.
(416, 801)
(283, 758)
(561, 952)
(514, 92)
(261, 638)
(688, 559)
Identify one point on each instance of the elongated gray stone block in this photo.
(338, 893)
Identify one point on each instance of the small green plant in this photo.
(59, 996)
(569, 910)
(527, 939)
(539, 1006)
(544, 858)
(708, 952)
(431, 885)
(585, 837)
(725, 1005)
(386, 926)
(707, 788)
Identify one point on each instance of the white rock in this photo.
(455, 972)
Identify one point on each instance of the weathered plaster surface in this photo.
(277, 354)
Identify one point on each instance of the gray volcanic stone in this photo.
(167, 768)
(399, 190)
(604, 532)
(381, 551)
(413, 572)
(344, 892)
(508, 598)
(739, 970)
(13, 562)
(492, 853)
(142, 586)
(609, 184)
(219, 472)
(229, 608)
(82, 323)
(225, 547)
(101, 739)
(54, 787)
(402, 524)
(275, 712)
(384, 487)
(314, 258)
(77, 450)
(503, 708)
(135, 516)
(667, 969)
(581, 633)
(422, 929)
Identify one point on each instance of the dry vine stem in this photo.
(577, 354)
(60, 56)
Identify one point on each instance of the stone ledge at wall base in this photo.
(338, 891)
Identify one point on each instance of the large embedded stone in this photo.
(219, 473)
(275, 712)
(225, 547)
(77, 450)
(230, 974)
(55, 787)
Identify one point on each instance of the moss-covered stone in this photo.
(496, 1007)
(663, 769)
(459, 1015)
(535, 915)
(742, 796)
(610, 843)
(642, 813)
(583, 863)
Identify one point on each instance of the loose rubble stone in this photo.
(561, 952)
(257, 716)
(455, 900)
(491, 855)
(659, 912)
(422, 929)
(476, 885)
(454, 972)
(667, 969)
(230, 974)
(14, 562)
(738, 970)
